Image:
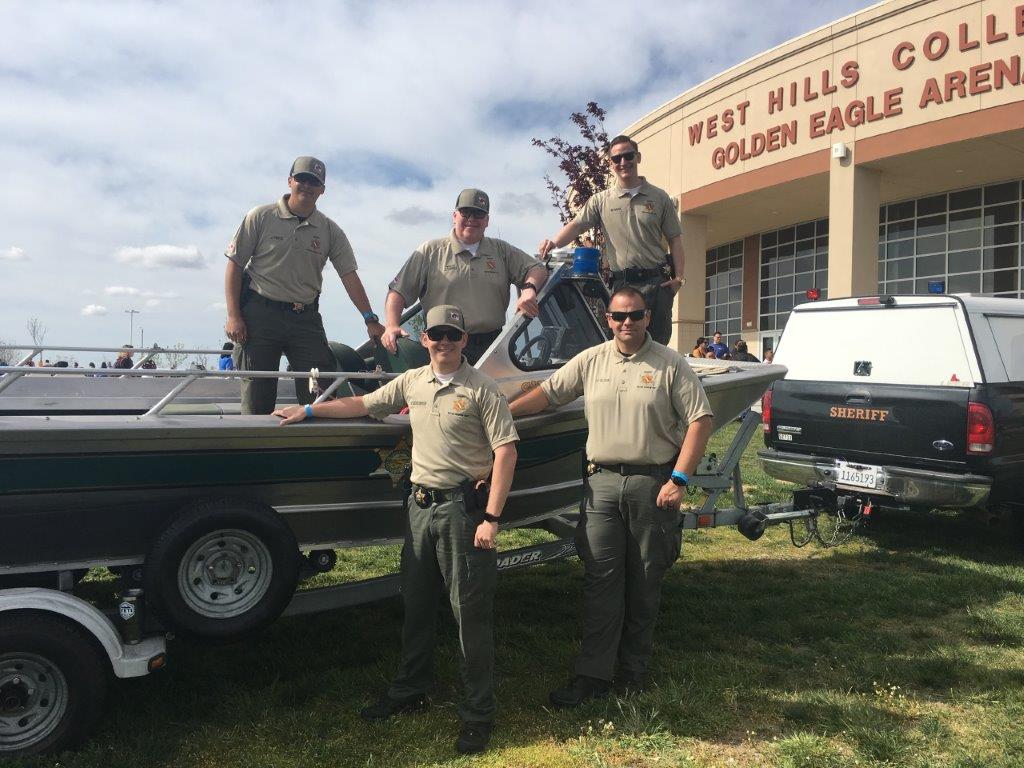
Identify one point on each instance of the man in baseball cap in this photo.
(468, 270)
(272, 286)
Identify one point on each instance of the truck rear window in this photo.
(903, 345)
(1009, 335)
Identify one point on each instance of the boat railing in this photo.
(145, 353)
(10, 374)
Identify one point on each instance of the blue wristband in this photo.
(309, 411)
(680, 475)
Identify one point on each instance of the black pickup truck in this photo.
(903, 401)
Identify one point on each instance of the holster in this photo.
(474, 498)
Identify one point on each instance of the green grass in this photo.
(901, 648)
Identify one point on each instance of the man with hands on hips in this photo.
(458, 417)
(649, 423)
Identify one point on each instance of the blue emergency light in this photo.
(936, 286)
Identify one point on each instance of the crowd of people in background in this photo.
(715, 349)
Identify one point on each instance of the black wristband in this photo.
(531, 285)
(491, 518)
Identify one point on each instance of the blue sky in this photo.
(137, 134)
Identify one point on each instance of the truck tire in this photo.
(221, 570)
(53, 680)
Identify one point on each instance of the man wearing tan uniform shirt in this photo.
(458, 417)
(272, 286)
(469, 270)
(637, 219)
(649, 423)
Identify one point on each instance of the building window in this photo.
(723, 291)
(793, 260)
(970, 239)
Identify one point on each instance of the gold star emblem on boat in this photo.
(395, 461)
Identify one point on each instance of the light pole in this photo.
(131, 324)
(142, 337)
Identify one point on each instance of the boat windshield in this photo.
(570, 320)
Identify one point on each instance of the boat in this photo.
(214, 508)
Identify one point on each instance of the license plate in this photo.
(858, 475)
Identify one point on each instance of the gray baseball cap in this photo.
(445, 314)
(310, 165)
(474, 198)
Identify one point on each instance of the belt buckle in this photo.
(297, 307)
(592, 469)
(422, 498)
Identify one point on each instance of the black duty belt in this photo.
(485, 337)
(638, 274)
(424, 496)
(292, 306)
(654, 470)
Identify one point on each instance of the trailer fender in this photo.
(125, 660)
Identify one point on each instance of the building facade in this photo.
(875, 155)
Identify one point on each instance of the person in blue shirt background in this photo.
(226, 363)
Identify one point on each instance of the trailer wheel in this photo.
(53, 680)
(222, 570)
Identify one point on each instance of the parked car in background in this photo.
(903, 401)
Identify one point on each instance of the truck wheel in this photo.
(222, 570)
(53, 680)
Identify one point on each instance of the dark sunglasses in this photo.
(472, 213)
(445, 332)
(309, 181)
(620, 317)
(625, 157)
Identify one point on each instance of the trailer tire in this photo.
(222, 570)
(53, 680)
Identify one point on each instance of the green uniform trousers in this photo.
(659, 301)
(439, 555)
(627, 543)
(270, 332)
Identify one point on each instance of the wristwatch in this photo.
(369, 317)
(491, 518)
(679, 478)
(531, 285)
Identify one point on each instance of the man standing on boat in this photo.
(649, 423)
(272, 286)
(637, 219)
(469, 270)
(458, 417)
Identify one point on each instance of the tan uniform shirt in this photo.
(634, 226)
(284, 257)
(637, 408)
(455, 427)
(442, 271)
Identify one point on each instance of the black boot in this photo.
(386, 706)
(628, 683)
(473, 737)
(580, 689)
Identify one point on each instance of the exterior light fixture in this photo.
(813, 294)
(936, 286)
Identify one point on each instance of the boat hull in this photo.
(77, 491)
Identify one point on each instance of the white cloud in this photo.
(156, 256)
(91, 310)
(14, 253)
(120, 290)
(153, 302)
(158, 175)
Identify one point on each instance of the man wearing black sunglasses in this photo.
(649, 422)
(469, 270)
(272, 286)
(637, 219)
(458, 418)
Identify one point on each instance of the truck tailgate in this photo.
(876, 423)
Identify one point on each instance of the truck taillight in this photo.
(766, 412)
(981, 429)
